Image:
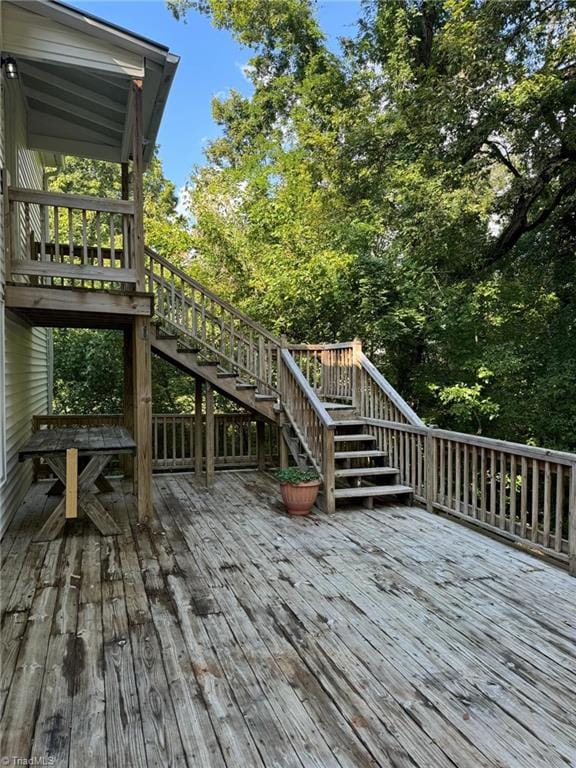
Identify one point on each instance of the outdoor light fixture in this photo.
(10, 67)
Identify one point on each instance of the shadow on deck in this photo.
(236, 636)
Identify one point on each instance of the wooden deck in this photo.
(236, 636)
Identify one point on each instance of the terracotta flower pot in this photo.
(299, 499)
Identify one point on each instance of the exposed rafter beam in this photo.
(70, 87)
(73, 110)
(74, 147)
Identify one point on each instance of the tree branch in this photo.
(519, 224)
(502, 155)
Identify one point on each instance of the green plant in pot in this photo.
(299, 488)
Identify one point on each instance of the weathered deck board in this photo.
(236, 636)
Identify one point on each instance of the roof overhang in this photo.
(75, 74)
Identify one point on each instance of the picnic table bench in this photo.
(78, 457)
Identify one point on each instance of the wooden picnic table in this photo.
(67, 449)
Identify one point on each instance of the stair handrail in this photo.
(311, 422)
(304, 385)
(404, 413)
(152, 254)
(251, 348)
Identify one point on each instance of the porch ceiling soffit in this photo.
(76, 85)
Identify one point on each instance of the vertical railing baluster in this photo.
(535, 498)
(559, 508)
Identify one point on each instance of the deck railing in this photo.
(236, 340)
(240, 439)
(524, 493)
(70, 240)
(377, 398)
(328, 368)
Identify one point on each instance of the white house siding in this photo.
(25, 349)
(26, 384)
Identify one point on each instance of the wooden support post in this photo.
(143, 417)
(261, 444)
(125, 181)
(357, 375)
(282, 444)
(72, 483)
(572, 522)
(137, 184)
(210, 459)
(325, 374)
(127, 461)
(328, 471)
(262, 367)
(282, 421)
(198, 437)
(280, 375)
(431, 470)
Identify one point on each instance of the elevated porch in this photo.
(232, 635)
(75, 260)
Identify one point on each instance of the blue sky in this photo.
(211, 63)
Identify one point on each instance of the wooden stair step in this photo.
(349, 423)
(359, 454)
(226, 375)
(265, 398)
(371, 490)
(166, 336)
(365, 471)
(354, 438)
(244, 385)
(188, 350)
(338, 406)
(208, 363)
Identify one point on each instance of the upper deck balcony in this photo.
(91, 247)
(71, 241)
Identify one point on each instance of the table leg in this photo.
(87, 501)
(53, 526)
(71, 483)
(103, 484)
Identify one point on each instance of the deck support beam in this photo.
(210, 458)
(356, 374)
(198, 437)
(137, 183)
(328, 471)
(142, 388)
(127, 461)
(282, 444)
(261, 444)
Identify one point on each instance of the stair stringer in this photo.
(167, 349)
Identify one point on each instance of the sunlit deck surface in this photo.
(236, 636)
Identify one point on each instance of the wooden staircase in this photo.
(326, 399)
(197, 362)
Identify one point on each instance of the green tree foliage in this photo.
(166, 230)
(89, 375)
(417, 189)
